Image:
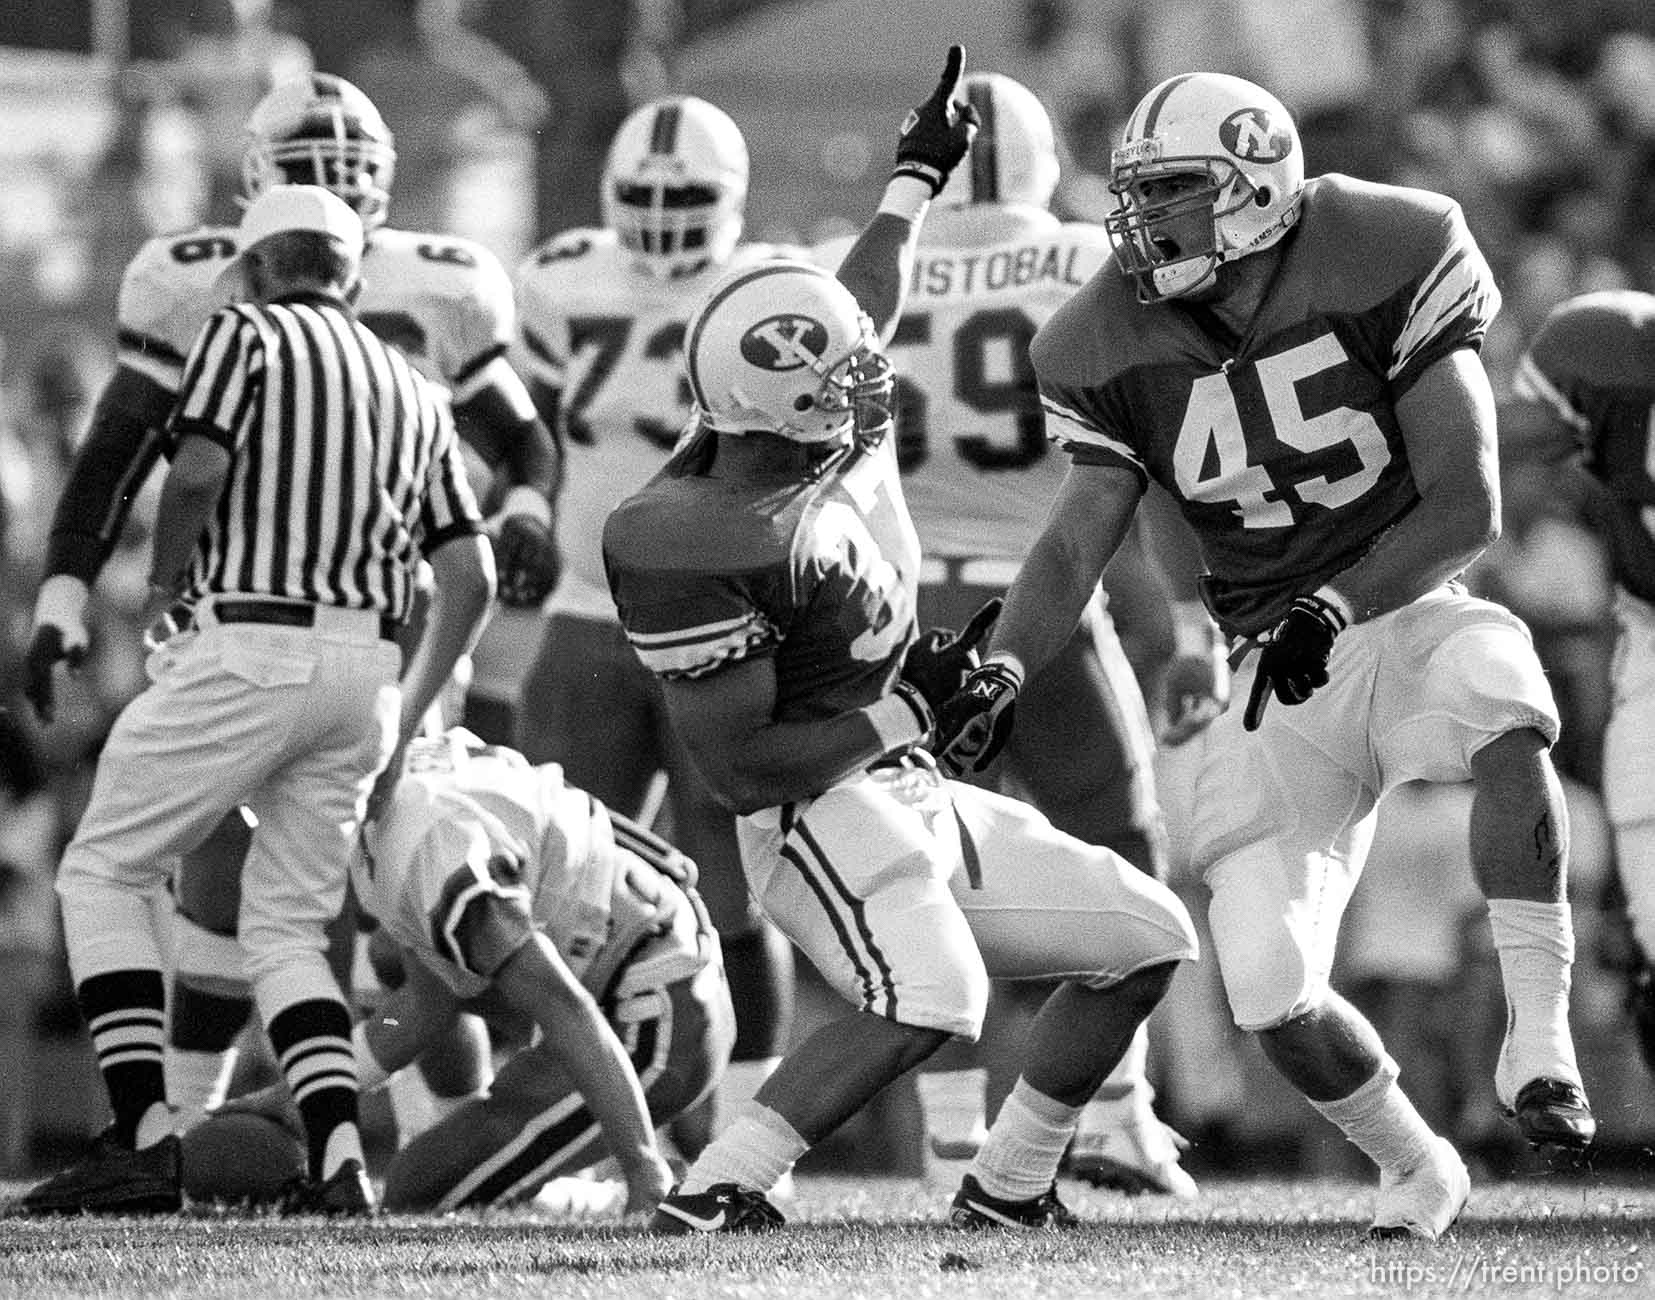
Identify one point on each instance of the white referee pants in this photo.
(295, 723)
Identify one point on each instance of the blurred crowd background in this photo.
(122, 118)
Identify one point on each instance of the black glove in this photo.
(936, 135)
(527, 557)
(45, 650)
(1293, 662)
(975, 723)
(937, 664)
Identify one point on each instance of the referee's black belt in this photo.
(287, 613)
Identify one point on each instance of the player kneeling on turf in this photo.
(496, 877)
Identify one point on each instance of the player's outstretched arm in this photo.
(536, 981)
(934, 138)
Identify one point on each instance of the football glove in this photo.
(937, 664)
(525, 549)
(936, 135)
(1293, 662)
(59, 635)
(975, 723)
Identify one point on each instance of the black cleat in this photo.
(346, 1195)
(723, 1207)
(1554, 1112)
(974, 1208)
(112, 1178)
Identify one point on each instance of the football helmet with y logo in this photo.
(321, 130)
(675, 185)
(1013, 156)
(782, 347)
(1210, 170)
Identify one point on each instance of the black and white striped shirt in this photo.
(345, 465)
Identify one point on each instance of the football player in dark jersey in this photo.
(1591, 369)
(1297, 364)
(768, 576)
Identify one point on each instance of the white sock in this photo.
(953, 1105)
(1536, 943)
(198, 1081)
(755, 1151)
(1382, 1122)
(1019, 1158)
(344, 1143)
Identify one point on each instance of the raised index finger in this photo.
(951, 70)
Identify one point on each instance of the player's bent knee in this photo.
(953, 1000)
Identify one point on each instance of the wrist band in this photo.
(907, 197)
(1010, 661)
(896, 722)
(1338, 602)
(523, 500)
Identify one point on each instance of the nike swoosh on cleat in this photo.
(700, 1225)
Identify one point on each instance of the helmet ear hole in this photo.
(803, 402)
(1263, 195)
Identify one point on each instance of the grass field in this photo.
(1581, 1236)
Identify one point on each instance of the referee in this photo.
(312, 470)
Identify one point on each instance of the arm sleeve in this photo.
(222, 376)
(686, 624)
(121, 447)
(1452, 305)
(449, 508)
(483, 913)
(500, 424)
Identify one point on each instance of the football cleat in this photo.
(1139, 1157)
(112, 1178)
(1554, 1112)
(973, 1208)
(1425, 1202)
(723, 1207)
(347, 1194)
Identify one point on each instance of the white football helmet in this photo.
(1013, 156)
(782, 346)
(1235, 135)
(675, 185)
(321, 130)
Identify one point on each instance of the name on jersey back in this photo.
(937, 275)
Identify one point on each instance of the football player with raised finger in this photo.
(603, 314)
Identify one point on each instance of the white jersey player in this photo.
(994, 264)
(603, 313)
(482, 868)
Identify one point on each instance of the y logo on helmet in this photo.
(784, 343)
(1252, 135)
